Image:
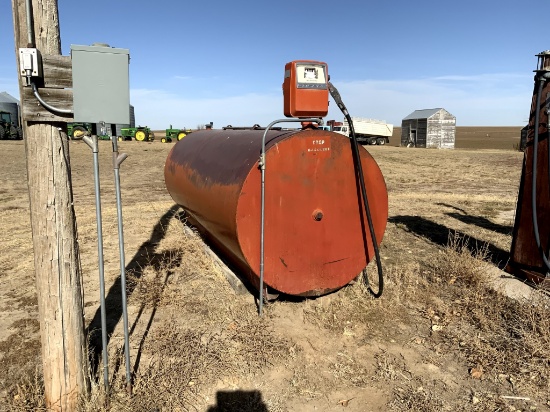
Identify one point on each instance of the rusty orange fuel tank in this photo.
(316, 233)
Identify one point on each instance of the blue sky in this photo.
(193, 62)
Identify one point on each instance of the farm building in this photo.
(10, 104)
(431, 128)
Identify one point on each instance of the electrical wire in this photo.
(46, 105)
(30, 28)
(30, 40)
(359, 170)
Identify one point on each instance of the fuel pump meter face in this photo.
(310, 76)
(305, 89)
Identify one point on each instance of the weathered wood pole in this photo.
(54, 234)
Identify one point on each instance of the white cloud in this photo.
(486, 100)
(482, 78)
(158, 109)
(499, 99)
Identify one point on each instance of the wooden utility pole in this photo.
(53, 222)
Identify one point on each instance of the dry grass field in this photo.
(442, 337)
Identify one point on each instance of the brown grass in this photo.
(196, 345)
(194, 341)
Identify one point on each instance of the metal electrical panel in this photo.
(101, 86)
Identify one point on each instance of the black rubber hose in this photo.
(359, 170)
(534, 179)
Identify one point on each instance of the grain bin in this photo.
(316, 234)
(10, 104)
(118, 127)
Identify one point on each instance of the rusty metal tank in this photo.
(316, 233)
(527, 255)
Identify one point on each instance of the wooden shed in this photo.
(431, 128)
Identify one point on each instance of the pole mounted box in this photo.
(101, 85)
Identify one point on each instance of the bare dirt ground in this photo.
(440, 339)
(478, 137)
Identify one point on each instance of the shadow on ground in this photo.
(478, 221)
(238, 401)
(146, 256)
(440, 235)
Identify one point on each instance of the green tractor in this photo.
(78, 130)
(7, 127)
(175, 134)
(139, 133)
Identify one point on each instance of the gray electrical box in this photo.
(101, 86)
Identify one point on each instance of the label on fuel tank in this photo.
(318, 146)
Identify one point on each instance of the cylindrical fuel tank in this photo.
(316, 233)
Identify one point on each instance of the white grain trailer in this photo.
(367, 131)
